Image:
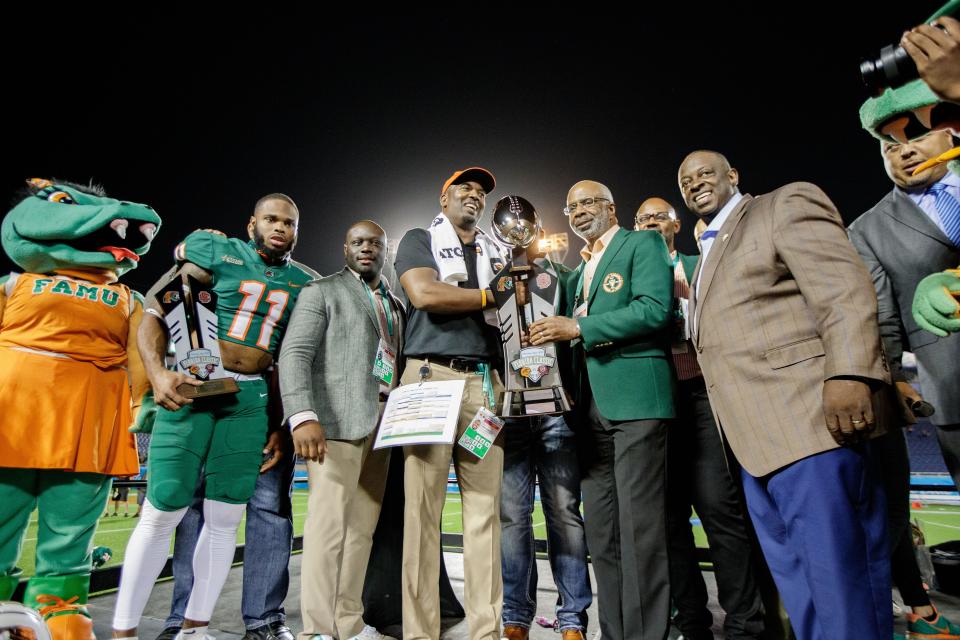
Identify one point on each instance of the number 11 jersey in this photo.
(254, 299)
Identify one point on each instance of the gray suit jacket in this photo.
(900, 245)
(327, 356)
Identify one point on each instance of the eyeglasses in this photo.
(586, 203)
(659, 217)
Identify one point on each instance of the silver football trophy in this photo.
(190, 311)
(525, 291)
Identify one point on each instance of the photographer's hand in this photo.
(936, 52)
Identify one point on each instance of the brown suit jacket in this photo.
(784, 304)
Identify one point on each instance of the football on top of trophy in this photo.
(516, 222)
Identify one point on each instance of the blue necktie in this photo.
(706, 242)
(949, 211)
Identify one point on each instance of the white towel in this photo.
(452, 268)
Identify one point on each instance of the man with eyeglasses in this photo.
(617, 307)
(901, 239)
(699, 475)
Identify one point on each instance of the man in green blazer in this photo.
(617, 306)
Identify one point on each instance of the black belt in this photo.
(460, 364)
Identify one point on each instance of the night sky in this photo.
(365, 118)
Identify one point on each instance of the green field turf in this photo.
(114, 531)
(938, 522)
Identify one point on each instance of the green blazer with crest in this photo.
(623, 351)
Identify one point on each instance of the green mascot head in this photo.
(61, 225)
(911, 111)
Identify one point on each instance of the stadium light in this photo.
(555, 245)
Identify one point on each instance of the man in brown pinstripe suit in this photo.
(784, 325)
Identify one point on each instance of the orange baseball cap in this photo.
(474, 174)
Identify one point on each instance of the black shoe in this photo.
(272, 631)
(169, 633)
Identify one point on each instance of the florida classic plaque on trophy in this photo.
(525, 291)
(190, 311)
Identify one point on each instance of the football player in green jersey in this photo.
(256, 284)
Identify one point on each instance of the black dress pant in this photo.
(892, 457)
(702, 475)
(623, 484)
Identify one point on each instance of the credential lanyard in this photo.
(383, 303)
(580, 284)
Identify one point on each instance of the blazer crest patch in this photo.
(612, 282)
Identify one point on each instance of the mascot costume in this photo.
(901, 115)
(71, 381)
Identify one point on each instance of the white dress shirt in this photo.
(592, 257)
(707, 238)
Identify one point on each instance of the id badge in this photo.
(683, 328)
(685, 314)
(385, 364)
(481, 433)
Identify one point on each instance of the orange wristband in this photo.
(483, 298)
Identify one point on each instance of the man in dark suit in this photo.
(700, 474)
(343, 327)
(617, 307)
(901, 240)
(785, 329)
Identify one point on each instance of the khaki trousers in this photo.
(425, 489)
(342, 512)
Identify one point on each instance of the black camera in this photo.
(892, 68)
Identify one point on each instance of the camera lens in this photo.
(892, 68)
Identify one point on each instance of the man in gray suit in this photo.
(343, 327)
(901, 240)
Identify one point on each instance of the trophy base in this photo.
(210, 388)
(518, 403)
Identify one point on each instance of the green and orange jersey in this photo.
(254, 299)
(64, 356)
(68, 316)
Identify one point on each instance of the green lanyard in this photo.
(383, 301)
(484, 370)
(580, 283)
